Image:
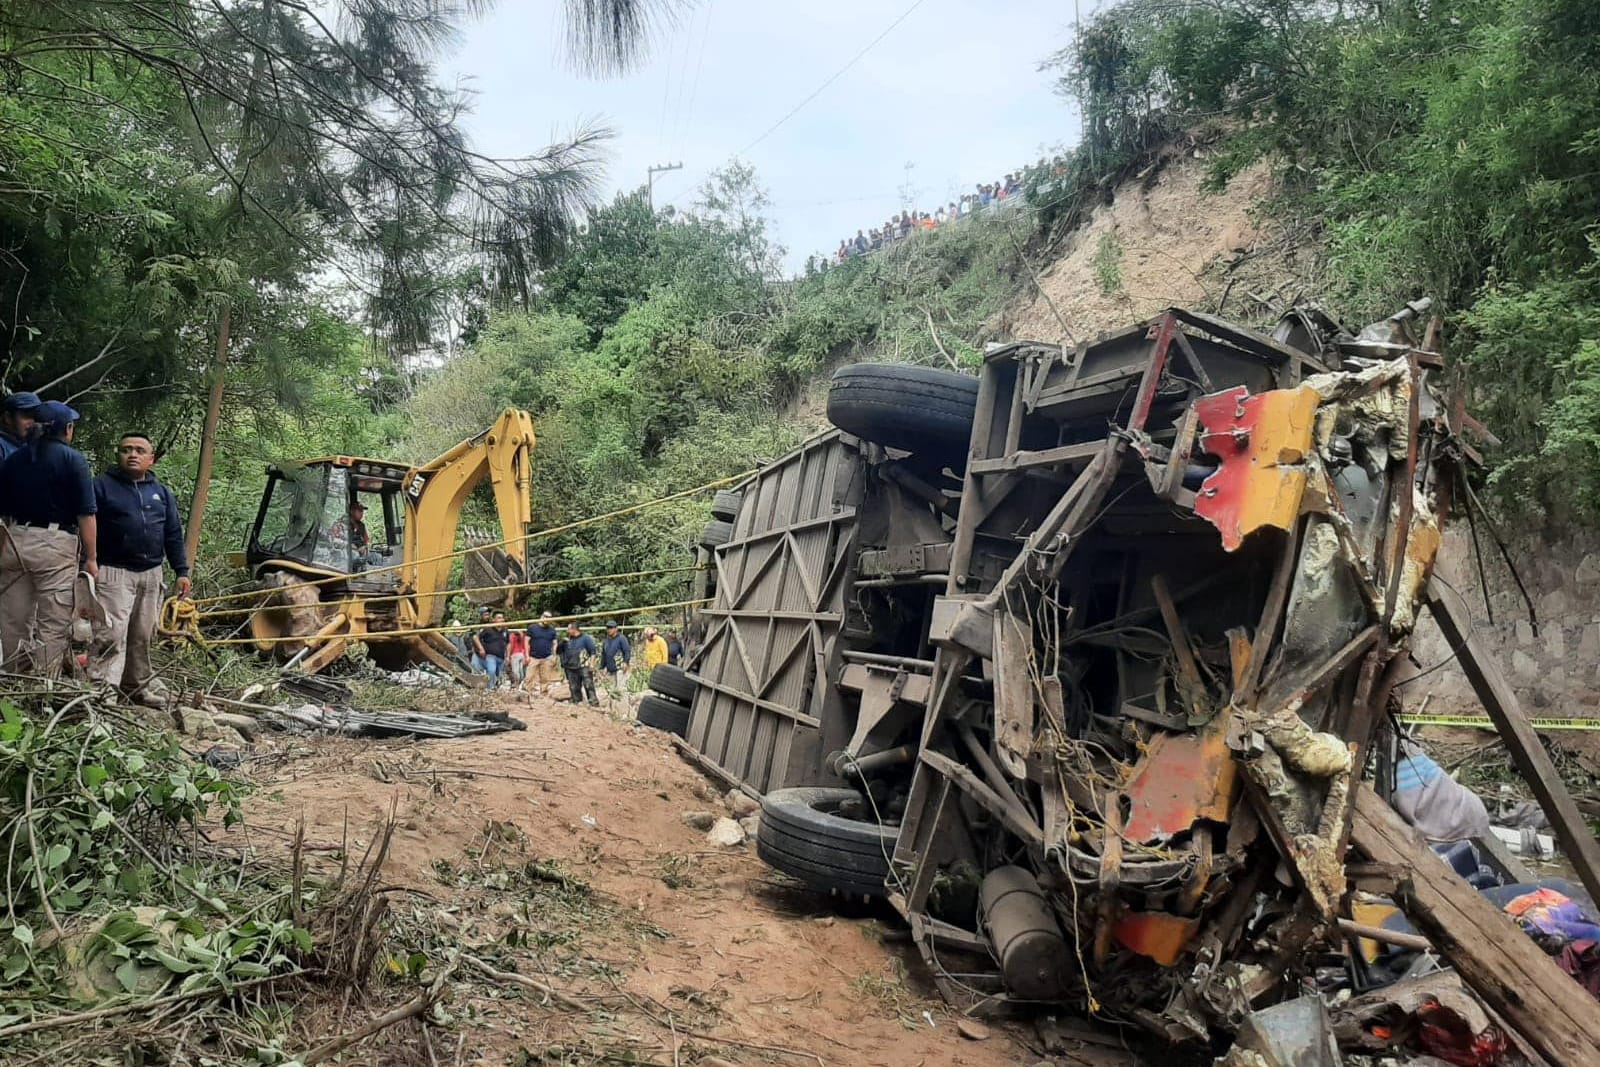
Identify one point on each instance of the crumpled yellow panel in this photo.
(1262, 442)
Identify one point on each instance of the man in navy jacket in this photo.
(138, 528)
(615, 656)
(47, 493)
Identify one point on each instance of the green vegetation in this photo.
(666, 351)
(1445, 149)
(1108, 264)
(274, 194)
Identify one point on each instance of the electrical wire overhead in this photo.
(835, 76)
(818, 91)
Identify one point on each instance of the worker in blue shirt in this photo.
(16, 422)
(139, 527)
(544, 670)
(577, 652)
(47, 493)
(616, 654)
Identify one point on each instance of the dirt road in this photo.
(560, 852)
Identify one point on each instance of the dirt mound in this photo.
(1166, 239)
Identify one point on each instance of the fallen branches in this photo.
(572, 1003)
(567, 1001)
(409, 1010)
(71, 1018)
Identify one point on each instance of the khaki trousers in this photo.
(37, 571)
(616, 683)
(545, 672)
(132, 603)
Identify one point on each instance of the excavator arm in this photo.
(436, 491)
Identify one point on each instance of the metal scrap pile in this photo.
(1101, 714)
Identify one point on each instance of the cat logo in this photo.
(419, 482)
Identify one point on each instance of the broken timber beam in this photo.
(1518, 735)
(1547, 1009)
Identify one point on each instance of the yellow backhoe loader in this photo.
(336, 521)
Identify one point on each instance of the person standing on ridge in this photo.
(47, 492)
(137, 526)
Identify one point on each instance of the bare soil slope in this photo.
(657, 932)
(1164, 240)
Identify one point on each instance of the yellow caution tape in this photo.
(1483, 722)
(182, 626)
(550, 583)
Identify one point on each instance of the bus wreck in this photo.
(1080, 663)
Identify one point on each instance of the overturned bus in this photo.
(1079, 662)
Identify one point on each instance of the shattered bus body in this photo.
(1166, 642)
(1079, 663)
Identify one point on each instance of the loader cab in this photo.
(305, 519)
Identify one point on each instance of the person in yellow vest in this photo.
(655, 649)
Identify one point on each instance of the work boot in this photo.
(154, 695)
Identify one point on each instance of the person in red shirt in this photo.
(517, 657)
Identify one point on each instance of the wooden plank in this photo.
(1518, 735)
(1548, 1010)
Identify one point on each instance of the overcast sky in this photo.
(954, 90)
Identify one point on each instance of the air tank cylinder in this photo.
(1023, 930)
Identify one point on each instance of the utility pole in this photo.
(650, 179)
(908, 190)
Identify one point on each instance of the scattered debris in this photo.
(699, 820)
(741, 803)
(725, 832)
(354, 723)
(1296, 1033)
(972, 1029)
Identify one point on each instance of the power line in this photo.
(694, 91)
(835, 76)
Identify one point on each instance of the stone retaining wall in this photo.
(1554, 665)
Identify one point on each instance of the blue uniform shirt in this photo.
(616, 654)
(8, 445)
(573, 649)
(542, 641)
(46, 482)
(139, 523)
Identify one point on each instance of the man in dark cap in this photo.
(615, 656)
(138, 525)
(47, 493)
(17, 416)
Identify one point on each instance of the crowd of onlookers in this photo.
(903, 225)
(540, 658)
